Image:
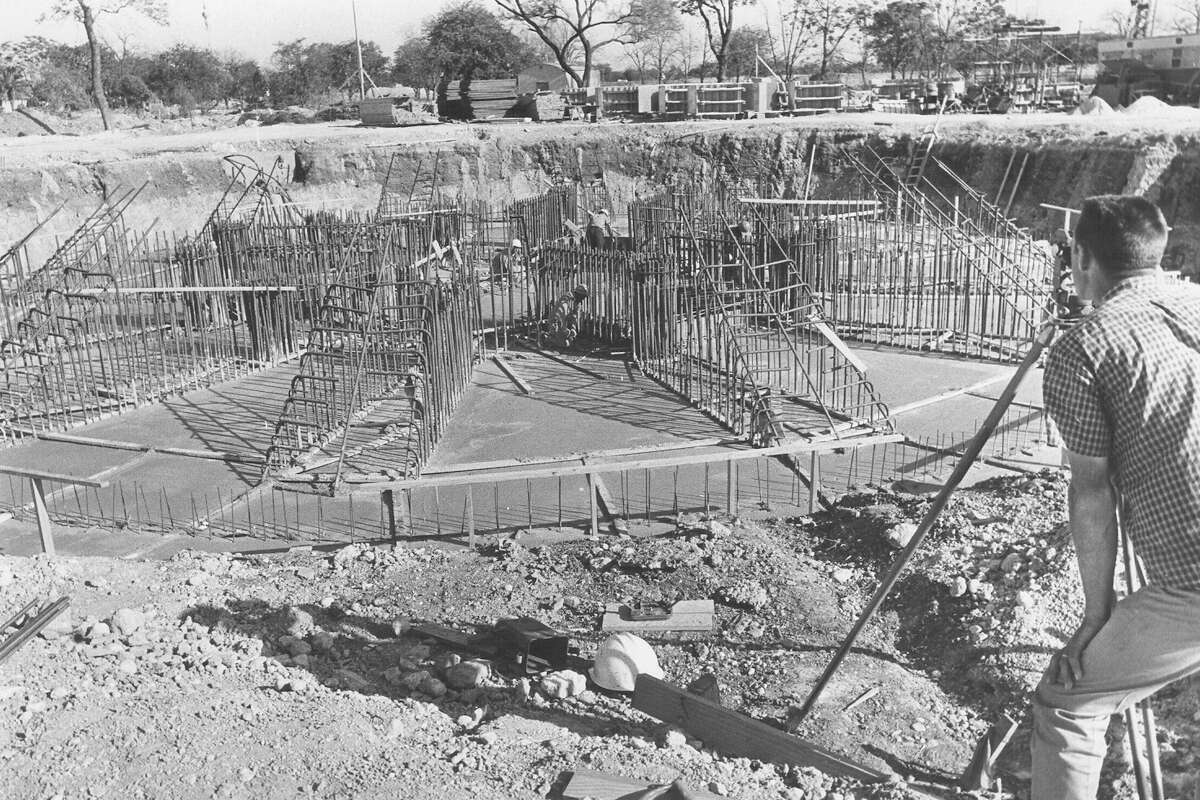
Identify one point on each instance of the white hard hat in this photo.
(620, 659)
(517, 243)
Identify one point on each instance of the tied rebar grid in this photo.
(503, 251)
(252, 194)
(67, 357)
(929, 271)
(394, 340)
(732, 324)
(740, 318)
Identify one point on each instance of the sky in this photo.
(252, 27)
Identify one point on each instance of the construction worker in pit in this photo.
(563, 326)
(599, 233)
(1121, 385)
(506, 263)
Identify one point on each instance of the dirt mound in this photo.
(1093, 106)
(15, 124)
(1147, 104)
(1150, 106)
(291, 114)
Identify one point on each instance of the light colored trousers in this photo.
(1151, 639)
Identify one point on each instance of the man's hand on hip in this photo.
(1066, 668)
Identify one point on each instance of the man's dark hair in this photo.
(1124, 233)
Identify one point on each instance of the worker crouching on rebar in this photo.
(562, 329)
(1121, 386)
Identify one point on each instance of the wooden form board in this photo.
(686, 615)
(608, 505)
(512, 375)
(602, 786)
(734, 734)
(554, 471)
(53, 477)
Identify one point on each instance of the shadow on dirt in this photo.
(341, 650)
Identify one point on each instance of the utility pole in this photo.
(362, 83)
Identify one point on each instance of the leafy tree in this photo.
(61, 77)
(247, 82)
(188, 76)
(303, 73)
(413, 64)
(20, 63)
(87, 13)
(896, 35)
(575, 29)
(717, 16)
(130, 91)
(953, 22)
(467, 41)
(746, 45)
(344, 63)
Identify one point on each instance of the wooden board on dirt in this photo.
(686, 615)
(602, 786)
(736, 735)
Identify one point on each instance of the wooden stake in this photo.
(43, 517)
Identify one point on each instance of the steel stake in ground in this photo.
(1041, 341)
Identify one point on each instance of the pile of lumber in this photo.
(393, 111)
(479, 99)
(541, 106)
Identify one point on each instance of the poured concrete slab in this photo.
(576, 403)
(569, 411)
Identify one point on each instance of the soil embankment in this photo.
(343, 165)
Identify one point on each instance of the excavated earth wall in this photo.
(1069, 159)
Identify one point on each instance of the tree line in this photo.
(651, 40)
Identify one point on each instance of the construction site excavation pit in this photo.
(308, 434)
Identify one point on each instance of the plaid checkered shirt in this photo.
(1125, 384)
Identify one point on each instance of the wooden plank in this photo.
(116, 290)
(508, 463)
(586, 783)
(948, 395)
(507, 369)
(608, 506)
(138, 447)
(45, 530)
(560, 360)
(809, 446)
(686, 615)
(840, 346)
(55, 477)
(736, 735)
(766, 201)
(592, 505)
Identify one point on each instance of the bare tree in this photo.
(88, 12)
(791, 36)
(655, 38)
(1122, 23)
(571, 28)
(832, 21)
(1188, 19)
(717, 16)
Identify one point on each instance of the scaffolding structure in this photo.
(1030, 63)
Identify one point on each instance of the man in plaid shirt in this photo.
(1122, 387)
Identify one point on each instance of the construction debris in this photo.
(27, 623)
